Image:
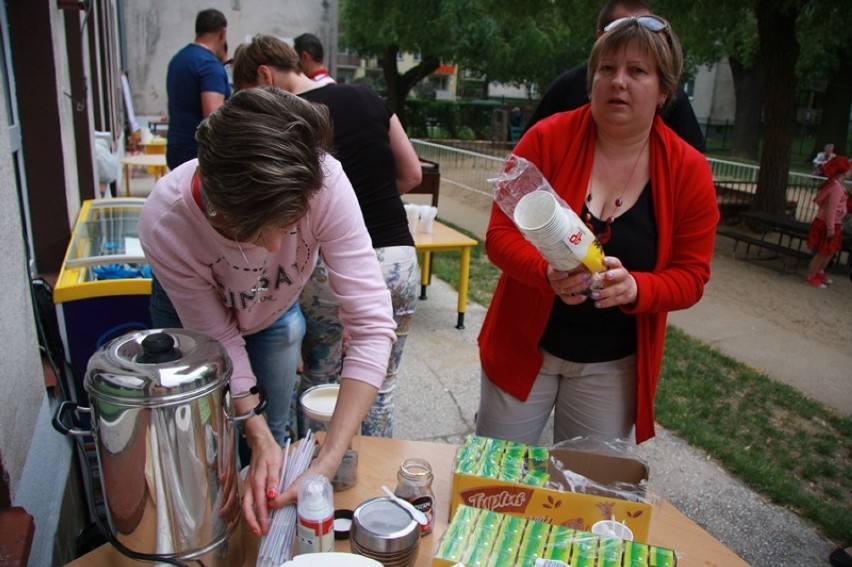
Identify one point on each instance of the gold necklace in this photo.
(605, 235)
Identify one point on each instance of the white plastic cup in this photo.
(427, 218)
(413, 213)
(537, 212)
(611, 528)
(547, 225)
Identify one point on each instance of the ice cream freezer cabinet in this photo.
(104, 285)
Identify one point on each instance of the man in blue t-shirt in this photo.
(196, 84)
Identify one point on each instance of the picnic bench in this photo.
(791, 238)
(783, 236)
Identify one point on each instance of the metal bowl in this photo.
(380, 526)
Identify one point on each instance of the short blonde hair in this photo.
(260, 160)
(663, 46)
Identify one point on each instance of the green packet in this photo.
(483, 537)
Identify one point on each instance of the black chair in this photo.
(431, 182)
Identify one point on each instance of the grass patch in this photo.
(792, 450)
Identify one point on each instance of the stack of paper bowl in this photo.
(383, 531)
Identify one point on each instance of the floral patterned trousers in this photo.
(323, 347)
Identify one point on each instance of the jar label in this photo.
(425, 504)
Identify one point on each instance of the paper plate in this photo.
(332, 560)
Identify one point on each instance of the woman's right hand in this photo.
(571, 287)
(261, 485)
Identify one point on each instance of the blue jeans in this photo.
(273, 354)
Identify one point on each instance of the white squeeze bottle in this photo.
(315, 512)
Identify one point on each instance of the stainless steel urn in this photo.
(163, 430)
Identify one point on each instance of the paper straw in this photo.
(277, 545)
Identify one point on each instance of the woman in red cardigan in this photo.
(649, 197)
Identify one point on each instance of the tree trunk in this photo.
(748, 90)
(836, 104)
(400, 85)
(396, 96)
(778, 51)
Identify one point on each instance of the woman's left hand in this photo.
(619, 286)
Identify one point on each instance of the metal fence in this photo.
(736, 183)
(465, 169)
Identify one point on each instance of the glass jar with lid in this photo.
(414, 484)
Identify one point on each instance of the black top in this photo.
(569, 91)
(583, 333)
(362, 144)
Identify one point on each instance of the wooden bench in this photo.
(784, 252)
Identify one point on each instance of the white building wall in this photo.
(20, 364)
(156, 29)
(724, 98)
(714, 100)
(496, 90)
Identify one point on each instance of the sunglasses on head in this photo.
(650, 23)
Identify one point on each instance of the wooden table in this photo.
(444, 238)
(378, 462)
(157, 163)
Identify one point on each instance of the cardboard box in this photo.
(569, 509)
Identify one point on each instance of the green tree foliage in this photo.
(774, 47)
(713, 30)
(825, 59)
(526, 42)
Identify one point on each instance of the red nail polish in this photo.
(271, 493)
(256, 531)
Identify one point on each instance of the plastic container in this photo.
(315, 515)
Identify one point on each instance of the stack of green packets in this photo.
(503, 460)
(482, 538)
